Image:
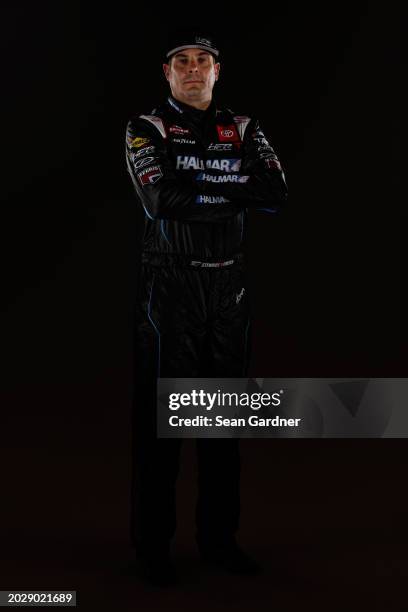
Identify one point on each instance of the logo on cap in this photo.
(202, 41)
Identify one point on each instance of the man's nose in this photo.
(193, 66)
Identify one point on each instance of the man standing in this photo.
(196, 170)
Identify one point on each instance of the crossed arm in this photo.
(164, 195)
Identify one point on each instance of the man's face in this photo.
(191, 74)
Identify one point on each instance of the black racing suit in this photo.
(196, 173)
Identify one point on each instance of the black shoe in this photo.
(231, 558)
(158, 569)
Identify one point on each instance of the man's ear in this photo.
(217, 67)
(166, 70)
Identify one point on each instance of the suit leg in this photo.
(218, 503)
(168, 337)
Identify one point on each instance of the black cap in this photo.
(190, 38)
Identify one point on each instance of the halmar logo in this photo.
(186, 162)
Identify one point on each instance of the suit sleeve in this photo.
(163, 194)
(261, 181)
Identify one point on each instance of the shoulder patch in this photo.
(157, 122)
(241, 121)
(135, 143)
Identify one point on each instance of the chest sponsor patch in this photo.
(176, 129)
(144, 161)
(137, 142)
(144, 151)
(183, 140)
(222, 178)
(227, 133)
(207, 199)
(149, 176)
(185, 162)
(219, 146)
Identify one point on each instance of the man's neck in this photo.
(198, 104)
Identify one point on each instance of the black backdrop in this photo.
(327, 277)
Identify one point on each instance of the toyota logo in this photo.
(227, 133)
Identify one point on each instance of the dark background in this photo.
(327, 282)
